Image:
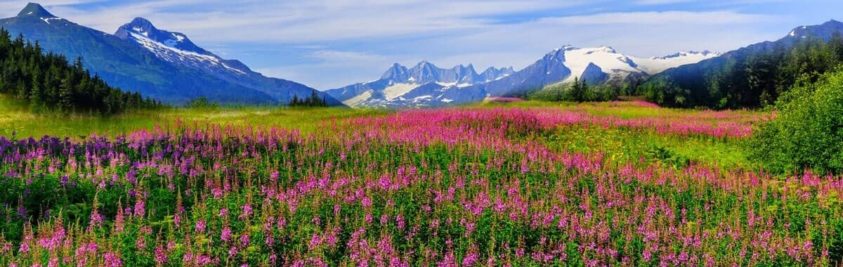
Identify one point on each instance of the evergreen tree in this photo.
(66, 94)
(578, 90)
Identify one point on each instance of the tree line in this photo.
(314, 100)
(49, 82)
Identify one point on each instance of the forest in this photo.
(48, 82)
(750, 78)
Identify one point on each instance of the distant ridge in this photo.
(424, 84)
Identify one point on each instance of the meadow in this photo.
(515, 184)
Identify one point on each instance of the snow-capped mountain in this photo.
(178, 49)
(427, 85)
(159, 64)
(585, 63)
(594, 65)
(424, 84)
(175, 47)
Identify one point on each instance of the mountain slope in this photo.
(148, 66)
(724, 81)
(178, 49)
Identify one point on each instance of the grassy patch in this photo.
(625, 145)
(16, 119)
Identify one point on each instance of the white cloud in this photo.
(303, 21)
(661, 18)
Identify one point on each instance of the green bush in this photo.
(807, 132)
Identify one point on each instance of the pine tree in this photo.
(66, 93)
(36, 93)
(578, 90)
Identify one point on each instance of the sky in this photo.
(332, 43)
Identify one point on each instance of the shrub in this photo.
(202, 102)
(808, 130)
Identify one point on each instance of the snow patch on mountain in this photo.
(656, 65)
(48, 19)
(606, 58)
(172, 54)
(618, 66)
(397, 90)
(359, 99)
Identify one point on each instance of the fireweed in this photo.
(445, 187)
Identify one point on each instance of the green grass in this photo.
(622, 109)
(18, 120)
(625, 145)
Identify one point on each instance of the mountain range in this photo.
(170, 67)
(159, 64)
(426, 85)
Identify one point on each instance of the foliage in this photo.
(808, 130)
(577, 91)
(752, 77)
(202, 103)
(48, 82)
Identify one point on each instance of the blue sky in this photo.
(331, 43)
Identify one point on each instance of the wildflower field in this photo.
(506, 184)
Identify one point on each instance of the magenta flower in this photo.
(112, 260)
(225, 235)
(200, 226)
(160, 255)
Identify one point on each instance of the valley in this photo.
(141, 148)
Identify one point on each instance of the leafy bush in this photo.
(808, 130)
(668, 157)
